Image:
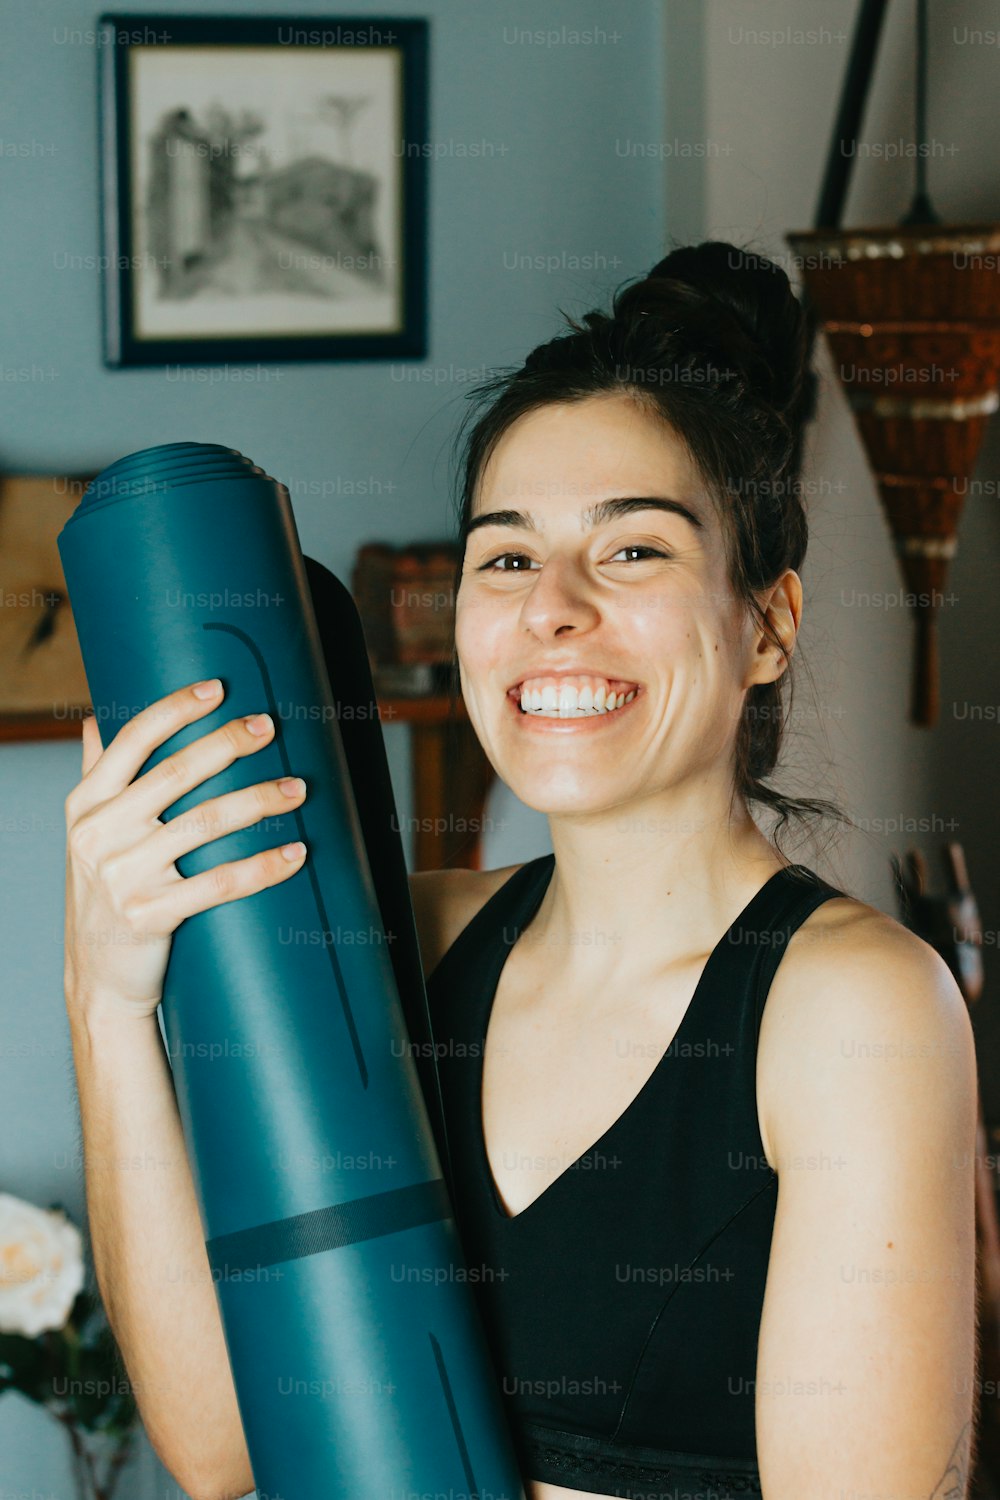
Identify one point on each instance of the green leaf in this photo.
(24, 1366)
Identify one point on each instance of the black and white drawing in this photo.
(265, 191)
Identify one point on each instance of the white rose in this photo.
(41, 1267)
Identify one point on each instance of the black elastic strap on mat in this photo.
(366, 1218)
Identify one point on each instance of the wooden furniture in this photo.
(43, 688)
(451, 777)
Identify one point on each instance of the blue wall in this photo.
(554, 188)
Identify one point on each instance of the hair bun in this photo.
(746, 301)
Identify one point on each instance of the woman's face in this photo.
(632, 599)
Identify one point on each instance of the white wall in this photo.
(760, 100)
(763, 109)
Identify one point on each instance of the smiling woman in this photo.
(704, 364)
(719, 1248)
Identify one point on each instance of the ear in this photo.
(782, 606)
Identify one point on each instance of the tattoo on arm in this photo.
(954, 1481)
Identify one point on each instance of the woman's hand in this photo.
(124, 895)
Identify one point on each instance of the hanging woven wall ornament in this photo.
(912, 316)
(914, 328)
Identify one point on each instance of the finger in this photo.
(224, 883)
(91, 742)
(140, 736)
(157, 789)
(221, 815)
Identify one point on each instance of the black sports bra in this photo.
(622, 1306)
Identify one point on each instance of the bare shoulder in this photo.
(445, 902)
(871, 1108)
(859, 1005)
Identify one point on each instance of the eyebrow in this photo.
(596, 515)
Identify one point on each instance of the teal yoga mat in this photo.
(296, 1019)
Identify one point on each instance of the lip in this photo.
(585, 725)
(569, 672)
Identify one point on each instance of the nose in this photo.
(559, 598)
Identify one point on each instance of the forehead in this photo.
(565, 452)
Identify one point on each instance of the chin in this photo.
(562, 793)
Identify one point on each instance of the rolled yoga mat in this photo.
(296, 1018)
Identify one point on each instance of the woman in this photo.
(710, 1075)
(632, 523)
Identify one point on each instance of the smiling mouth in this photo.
(572, 698)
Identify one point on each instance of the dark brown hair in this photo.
(713, 341)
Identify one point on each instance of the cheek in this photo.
(465, 632)
(465, 611)
(479, 642)
(670, 635)
(684, 644)
(712, 621)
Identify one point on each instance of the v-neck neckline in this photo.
(527, 915)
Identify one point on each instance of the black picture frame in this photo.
(329, 255)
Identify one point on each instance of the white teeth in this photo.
(569, 703)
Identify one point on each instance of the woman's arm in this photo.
(149, 1254)
(867, 1353)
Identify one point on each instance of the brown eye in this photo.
(491, 565)
(637, 547)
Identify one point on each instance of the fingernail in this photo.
(208, 688)
(293, 851)
(258, 723)
(292, 786)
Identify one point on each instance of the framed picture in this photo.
(263, 188)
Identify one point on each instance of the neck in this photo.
(648, 882)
